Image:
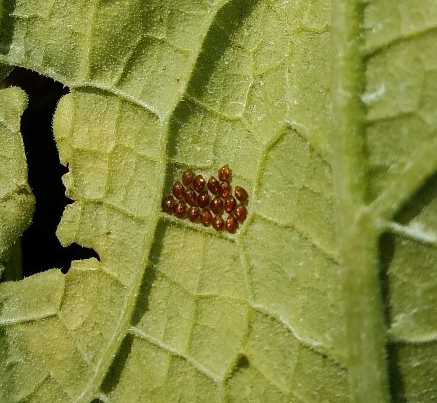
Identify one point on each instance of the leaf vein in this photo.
(171, 350)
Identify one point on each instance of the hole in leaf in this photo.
(41, 249)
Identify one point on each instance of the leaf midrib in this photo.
(364, 312)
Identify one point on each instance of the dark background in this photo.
(41, 249)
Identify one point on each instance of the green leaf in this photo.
(16, 198)
(326, 293)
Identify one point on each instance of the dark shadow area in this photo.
(397, 388)
(419, 200)
(242, 362)
(41, 249)
(150, 274)
(112, 378)
(386, 252)
(6, 25)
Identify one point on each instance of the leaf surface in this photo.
(307, 300)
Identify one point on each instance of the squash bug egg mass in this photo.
(207, 200)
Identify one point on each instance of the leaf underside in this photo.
(326, 293)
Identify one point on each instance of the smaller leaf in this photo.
(16, 199)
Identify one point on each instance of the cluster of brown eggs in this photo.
(207, 205)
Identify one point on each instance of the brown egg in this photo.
(190, 196)
(224, 189)
(240, 212)
(187, 177)
(213, 185)
(180, 209)
(168, 204)
(206, 217)
(224, 173)
(240, 193)
(218, 223)
(230, 204)
(193, 213)
(203, 199)
(198, 183)
(178, 190)
(216, 205)
(231, 224)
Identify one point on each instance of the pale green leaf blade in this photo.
(292, 307)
